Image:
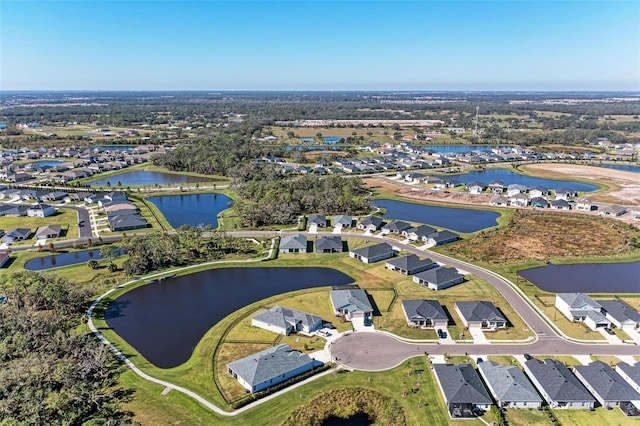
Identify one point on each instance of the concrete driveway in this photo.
(478, 335)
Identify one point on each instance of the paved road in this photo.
(84, 232)
(372, 351)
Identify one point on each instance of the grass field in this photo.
(66, 218)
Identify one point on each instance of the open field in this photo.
(538, 236)
(624, 187)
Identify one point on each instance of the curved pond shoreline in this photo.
(164, 321)
(43, 263)
(191, 209)
(586, 277)
(455, 218)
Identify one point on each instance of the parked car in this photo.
(527, 357)
(442, 334)
(609, 331)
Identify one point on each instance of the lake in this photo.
(145, 177)
(164, 321)
(629, 168)
(191, 209)
(327, 139)
(508, 177)
(63, 259)
(358, 419)
(457, 219)
(586, 278)
(48, 163)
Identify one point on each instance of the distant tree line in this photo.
(52, 373)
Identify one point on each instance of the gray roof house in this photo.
(409, 265)
(439, 278)
(48, 231)
(560, 204)
(579, 307)
(421, 232)
(396, 227)
(482, 314)
(605, 384)
(442, 237)
(317, 219)
(539, 202)
(351, 303)
(630, 373)
(344, 220)
(370, 223)
(269, 367)
(17, 234)
(293, 244)
(509, 386)
(375, 253)
(557, 385)
(424, 313)
(620, 314)
(124, 222)
(612, 210)
(283, 320)
(462, 388)
(329, 244)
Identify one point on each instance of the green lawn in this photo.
(66, 218)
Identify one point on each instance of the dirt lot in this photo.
(418, 193)
(625, 186)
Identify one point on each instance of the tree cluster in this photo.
(188, 245)
(51, 373)
(268, 197)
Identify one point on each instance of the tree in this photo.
(93, 264)
(109, 251)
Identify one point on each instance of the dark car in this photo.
(527, 357)
(442, 334)
(609, 331)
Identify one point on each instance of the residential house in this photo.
(374, 253)
(480, 314)
(462, 389)
(584, 204)
(344, 221)
(560, 204)
(446, 183)
(54, 196)
(40, 210)
(499, 200)
(605, 384)
(409, 265)
(630, 373)
(576, 306)
(424, 313)
(538, 191)
(439, 278)
(519, 200)
(48, 231)
(496, 186)
(635, 214)
(329, 244)
(442, 237)
(370, 223)
(509, 386)
(515, 188)
(283, 320)
(317, 219)
(564, 193)
(396, 227)
(613, 210)
(269, 367)
(420, 232)
(4, 258)
(293, 244)
(557, 385)
(475, 187)
(539, 202)
(351, 303)
(620, 314)
(120, 221)
(16, 234)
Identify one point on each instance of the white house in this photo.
(620, 314)
(580, 307)
(40, 210)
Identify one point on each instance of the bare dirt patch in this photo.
(420, 193)
(625, 186)
(534, 235)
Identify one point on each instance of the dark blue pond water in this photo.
(164, 321)
(327, 139)
(191, 209)
(508, 177)
(144, 177)
(48, 163)
(622, 167)
(63, 259)
(461, 220)
(458, 148)
(586, 278)
(359, 419)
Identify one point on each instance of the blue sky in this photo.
(319, 45)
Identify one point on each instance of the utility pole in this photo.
(475, 132)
